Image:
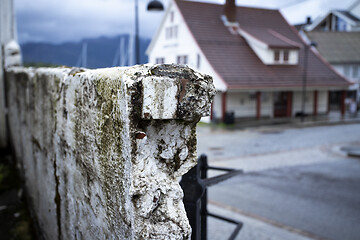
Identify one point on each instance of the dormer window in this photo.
(277, 56)
(272, 47)
(281, 56)
(286, 55)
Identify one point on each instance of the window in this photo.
(181, 59)
(160, 60)
(277, 55)
(198, 61)
(355, 71)
(175, 31)
(171, 32)
(340, 25)
(347, 70)
(172, 17)
(252, 96)
(168, 33)
(286, 55)
(281, 56)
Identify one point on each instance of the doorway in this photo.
(282, 104)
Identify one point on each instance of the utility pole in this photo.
(306, 59)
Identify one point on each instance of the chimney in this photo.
(308, 20)
(230, 10)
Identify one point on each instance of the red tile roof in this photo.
(271, 38)
(234, 60)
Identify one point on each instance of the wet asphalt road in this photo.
(319, 196)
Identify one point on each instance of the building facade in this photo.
(337, 35)
(259, 62)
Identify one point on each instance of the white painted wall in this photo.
(265, 55)
(350, 71)
(267, 106)
(297, 101)
(309, 104)
(243, 104)
(183, 44)
(322, 102)
(217, 103)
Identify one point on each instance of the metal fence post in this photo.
(194, 184)
(203, 202)
(193, 190)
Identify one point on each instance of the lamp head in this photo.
(155, 5)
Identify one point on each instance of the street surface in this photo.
(297, 183)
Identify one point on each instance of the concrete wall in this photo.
(101, 151)
(3, 133)
(7, 33)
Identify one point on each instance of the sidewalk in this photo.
(253, 229)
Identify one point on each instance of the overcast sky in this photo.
(72, 20)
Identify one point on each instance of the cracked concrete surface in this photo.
(101, 150)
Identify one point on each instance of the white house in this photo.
(338, 20)
(337, 35)
(255, 57)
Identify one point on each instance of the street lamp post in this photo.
(137, 43)
(154, 5)
(306, 59)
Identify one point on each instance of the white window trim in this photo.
(281, 56)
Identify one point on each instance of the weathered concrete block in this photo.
(102, 150)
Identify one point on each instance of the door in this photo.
(282, 104)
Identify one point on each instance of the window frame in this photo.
(281, 56)
(277, 55)
(182, 59)
(286, 53)
(159, 60)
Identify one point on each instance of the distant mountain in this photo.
(100, 52)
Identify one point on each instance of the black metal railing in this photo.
(195, 184)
